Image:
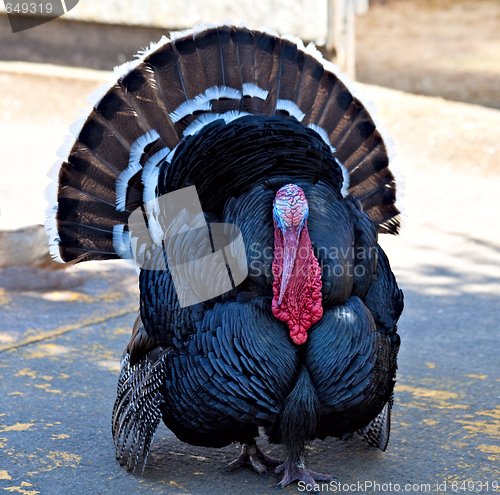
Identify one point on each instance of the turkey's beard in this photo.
(297, 282)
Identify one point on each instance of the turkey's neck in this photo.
(297, 282)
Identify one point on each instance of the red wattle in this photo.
(301, 303)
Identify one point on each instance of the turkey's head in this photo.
(297, 275)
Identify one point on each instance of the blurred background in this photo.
(432, 67)
(448, 48)
(440, 48)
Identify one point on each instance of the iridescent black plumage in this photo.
(240, 113)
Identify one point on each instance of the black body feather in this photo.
(238, 114)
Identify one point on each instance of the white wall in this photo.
(304, 18)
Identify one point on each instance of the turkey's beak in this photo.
(291, 238)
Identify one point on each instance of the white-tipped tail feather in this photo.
(323, 135)
(134, 166)
(202, 101)
(252, 90)
(121, 242)
(208, 118)
(189, 107)
(345, 176)
(137, 149)
(149, 176)
(292, 108)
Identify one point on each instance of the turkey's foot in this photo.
(298, 472)
(252, 456)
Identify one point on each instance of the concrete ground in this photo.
(60, 344)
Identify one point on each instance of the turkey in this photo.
(238, 170)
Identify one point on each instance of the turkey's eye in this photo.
(280, 217)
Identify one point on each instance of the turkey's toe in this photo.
(307, 476)
(252, 456)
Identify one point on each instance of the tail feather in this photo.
(87, 180)
(245, 53)
(374, 190)
(166, 70)
(352, 136)
(209, 61)
(377, 432)
(266, 68)
(99, 137)
(320, 104)
(131, 197)
(253, 99)
(311, 92)
(96, 244)
(181, 85)
(81, 157)
(141, 89)
(337, 112)
(130, 176)
(136, 413)
(228, 45)
(196, 75)
(290, 71)
(368, 160)
(387, 217)
(119, 114)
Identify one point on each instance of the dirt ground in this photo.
(448, 48)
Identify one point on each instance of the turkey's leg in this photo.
(252, 456)
(298, 472)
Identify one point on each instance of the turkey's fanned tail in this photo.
(112, 164)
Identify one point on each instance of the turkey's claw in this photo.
(252, 456)
(300, 473)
